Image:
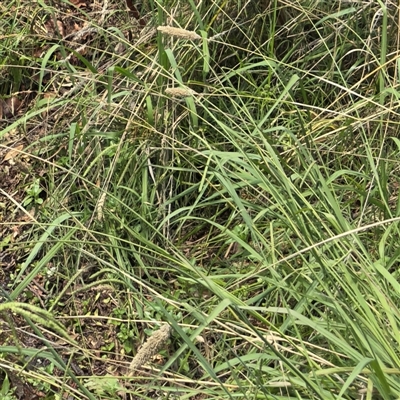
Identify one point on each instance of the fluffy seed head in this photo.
(179, 92)
(179, 33)
(153, 344)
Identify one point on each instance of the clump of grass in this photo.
(232, 174)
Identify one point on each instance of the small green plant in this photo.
(43, 385)
(33, 194)
(126, 337)
(105, 386)
(125, 333)
(6, 392)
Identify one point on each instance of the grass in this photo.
(255, 210)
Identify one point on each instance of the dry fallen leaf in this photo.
(78, 3)
(13, 152)
(28, 216)
(15, 230)
(9, 107)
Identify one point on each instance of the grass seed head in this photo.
(153, 344)
(179, 92)
(179, 33)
